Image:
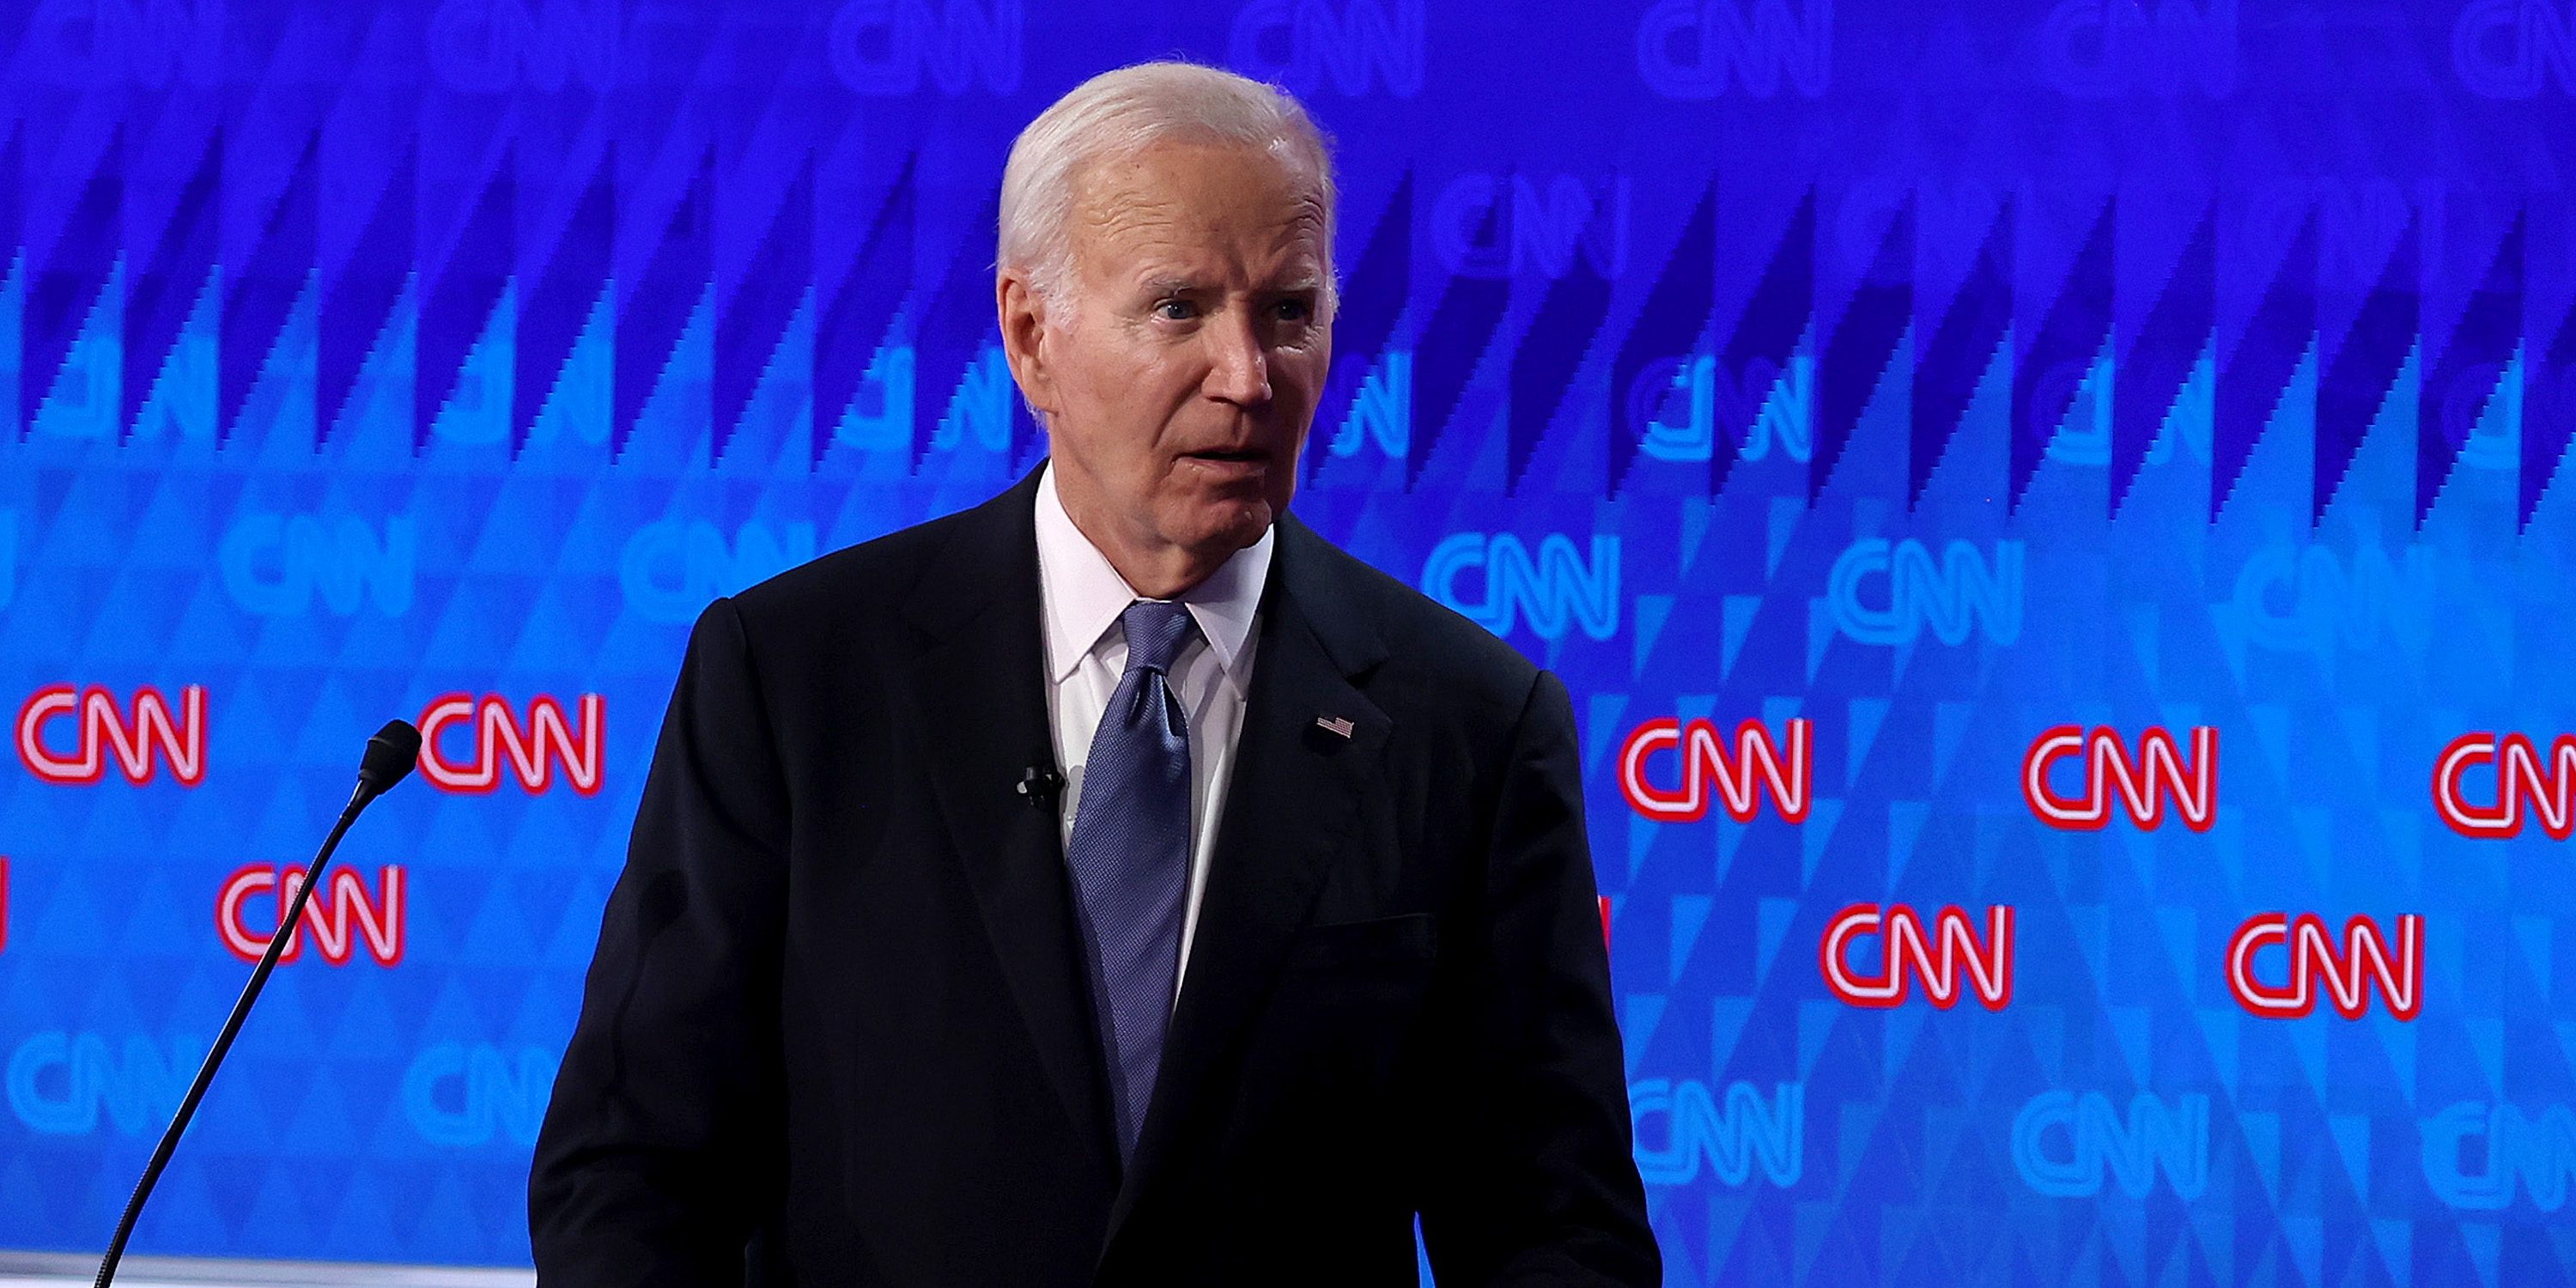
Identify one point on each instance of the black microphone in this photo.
(1040, 783)
(390, 755)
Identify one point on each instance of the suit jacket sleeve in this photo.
(662, 1142)
(1533, 1180)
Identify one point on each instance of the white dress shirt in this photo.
(1081, 595)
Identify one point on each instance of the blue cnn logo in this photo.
(1554, 592)
(1698, 49)
(2067, 1144)
(2106, 48)
(94, 44)
(1679, 405)
(888, 47)
(274, 564)
(1308, 44)
(979, 413)
(2084, 388)
(460, 1095)
(1750, 1130)
(674, 568)
(2514, 48)
(2474, 1154)
(1483, 227)
(1964, 593)
(2310, 600)
(1381, 409)
(493, 46)
(880, 413)
(59, 1083)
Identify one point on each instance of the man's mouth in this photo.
(1245, 454)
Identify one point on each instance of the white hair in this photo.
(1120, 113)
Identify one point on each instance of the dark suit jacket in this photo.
(837, 1032)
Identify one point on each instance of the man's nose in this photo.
(1238, 367)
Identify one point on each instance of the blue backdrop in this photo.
(2053, 515)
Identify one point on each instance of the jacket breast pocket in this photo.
(1405, 939)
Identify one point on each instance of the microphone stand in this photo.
(389, 757)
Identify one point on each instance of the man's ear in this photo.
(1022, 312)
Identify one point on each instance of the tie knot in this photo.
(1156, 629)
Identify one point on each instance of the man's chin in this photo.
(1229, 525)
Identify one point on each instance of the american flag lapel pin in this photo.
(1335, 725)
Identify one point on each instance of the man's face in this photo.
(1179, 369)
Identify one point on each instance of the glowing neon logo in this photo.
(461, 1096)
(2538, 1149)
(2521, 774)
(1963, 593)
(1786, 767)
(1555, 590)
(1907, 955)
(151, 733)
(1749, 1130)
(341, 906)
(532, 751)
(2347, 970)
(2100, 1144)
(2143, 784)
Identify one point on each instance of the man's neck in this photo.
(1153, 569)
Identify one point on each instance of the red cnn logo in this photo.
(328, 915)
(2520, 775)
(533, 751)
(1758, 759)
(2142, 784)
(2347, 971)
(102, 728)
(1905, 951)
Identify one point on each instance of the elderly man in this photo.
(1114, 883)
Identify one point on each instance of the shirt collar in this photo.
(1084, 593)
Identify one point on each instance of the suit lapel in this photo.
(979, 702)
(1290, 806)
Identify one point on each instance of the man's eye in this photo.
(1175, 310)
(1295, 311)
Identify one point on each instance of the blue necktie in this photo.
(1130, 857)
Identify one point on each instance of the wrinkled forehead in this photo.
(1179, 194)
